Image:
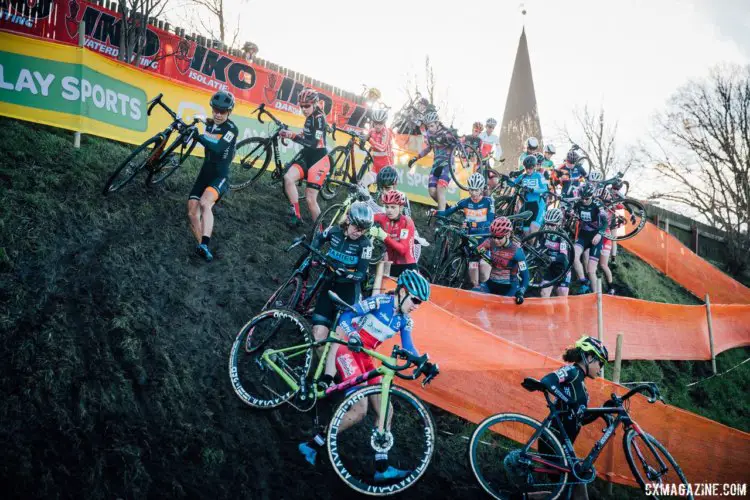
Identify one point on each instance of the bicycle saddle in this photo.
(522, 216)
(339, 302)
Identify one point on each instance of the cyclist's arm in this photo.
(219, 144)
(403, 245)
(380, 146)
(541, 186)
(320, 238)
(603, 222)
(315, 136)
(453, 209)
(520, 259)
(426, 150)
(406, 339)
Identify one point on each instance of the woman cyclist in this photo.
(557, 250)
(532, 147)
(592, 224)
(397, 232)
(536, 187)
(381, 148)
(508, 260)
(373, 321)
(441, 141)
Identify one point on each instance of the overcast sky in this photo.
(628, 56)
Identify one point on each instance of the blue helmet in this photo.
(415, 284)
(529, 161)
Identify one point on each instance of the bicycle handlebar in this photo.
(300, 241)
(423, 366)
(652, 389)
(261, 110)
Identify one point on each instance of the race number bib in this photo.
(367, 253)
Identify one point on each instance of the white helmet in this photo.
(431, 117)
(595, 176)
(491, 122)
(532, 143)
(553, 216)
(476, 181)
(549, 148)
(379, 115)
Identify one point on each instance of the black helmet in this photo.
(360, 214)
(586, 191)
(388, 176)
(529, 161)
(572, 157)
(222, 100)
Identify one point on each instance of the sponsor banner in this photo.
(69, 87)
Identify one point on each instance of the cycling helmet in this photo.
(415, 284)
(571, 157)
(388, 176)
(549, 148)
(393, 198)
(379, 115)
(307, 96)
(491, 122)
(595, 176)
(529, 161)
(222, 100)
(553, 216)
(477, 125)
(373, 94)
(594, 346)
(431, 117)
(586, 191)
(476, 181)
(502, 226)
(532, 143)
(539, 158)
(423, 101)
(360, 214)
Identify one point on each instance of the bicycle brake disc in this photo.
(381, 443)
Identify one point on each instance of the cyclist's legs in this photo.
(537, 211)
(438, 182)
(546, 292)
(604, 260)
(316, 176)
(473, 273)
(194, 216)
(210, 196)
(294, 174)
(593, 262)
(578, 248)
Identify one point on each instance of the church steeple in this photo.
(521, 117)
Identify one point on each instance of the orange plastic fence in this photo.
(481, 373)
(651, 330)
(667, 254)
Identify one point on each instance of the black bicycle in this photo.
(516, 456)
(154, 155)
(344, 163)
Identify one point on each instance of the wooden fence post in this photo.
(710, 333)
(616, 380)
(599, 314)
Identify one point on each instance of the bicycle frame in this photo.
(350, 168)
(177, 124)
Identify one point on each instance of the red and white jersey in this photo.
(400, 241)
(381, 144)
(490, 146)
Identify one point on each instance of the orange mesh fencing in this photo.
(731, 325)
(481, 375)
(667, 254)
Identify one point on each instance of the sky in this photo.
(626, 56)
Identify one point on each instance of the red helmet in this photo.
(393, 198)
(307, 96)
(502, 226)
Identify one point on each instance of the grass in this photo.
(115, 340)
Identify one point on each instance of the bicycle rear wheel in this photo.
(254, 155)
(543, 270)
(134, 163)
(505, 470)
(339, 160)
(627, 218)
(253, 378)
(169, 162)
(466, 162)
(408, 440)
(287, 295)
(646, 466)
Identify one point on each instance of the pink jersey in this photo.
(381, 145)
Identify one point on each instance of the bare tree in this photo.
(702, 146)
(600, 141)
(134, 27)
(221, 23)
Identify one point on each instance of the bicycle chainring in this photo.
(584, 475)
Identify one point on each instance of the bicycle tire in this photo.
(469, 164)
(339, 169)
(247, 171)
(163, 170)
(287, 328)
(453, 273)
(633, 221)
(411, 439)
(287, 295)
(505, 206)
(538, 267)
(325, 220)
(488, 469)
(111, 186)
(642, 452)
(366, 164)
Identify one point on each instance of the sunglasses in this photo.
(500, 238)
(359, 229)
(218, 111)
(305, 106)
(415, 300)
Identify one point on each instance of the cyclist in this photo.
(381, 150)
(479, 212)
(535, 186)
(373, 321)
(587, 358)
(547, 165)
(570, 175)
(490, 149)
(350, 251)
(532, 145)
(473, 139)
(508, 260)
(558, 252)
(397, 232)
(219, 140)
(442, 143)
(312, 163)
(592, 223)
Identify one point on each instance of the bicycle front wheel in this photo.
(506, 469)
(408, 440)
(339, 162)
(654, 468)
(254, 155)
(134, 163)
(543, 270)
(177, 153)
(254, 378)
(287, 295)
(330, 217)
(466, 162)
(627, 218)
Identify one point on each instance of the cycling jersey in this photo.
(351, 255)
(399, 243)
(313, 135)
(568, 384)
(507, 262)
(557, 250)
(441, 143)
(477, 215)
(219, 142)
(377, 319)
(312, 162)
(474, 141)
(535, 183)
(381, 148)
(570, 176)
(592, 217)
(490, 145)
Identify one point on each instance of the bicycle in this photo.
(154, 155)
(625, 216)
(270, 363)
(506, 456)
(466, 161)
(343, 163)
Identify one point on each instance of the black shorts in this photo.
(585, 240)
(206, 180)
(325, 311)
(397, 269)
(313, 166)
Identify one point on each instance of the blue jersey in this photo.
(535, 183)
(377, 319)
(478, 215)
